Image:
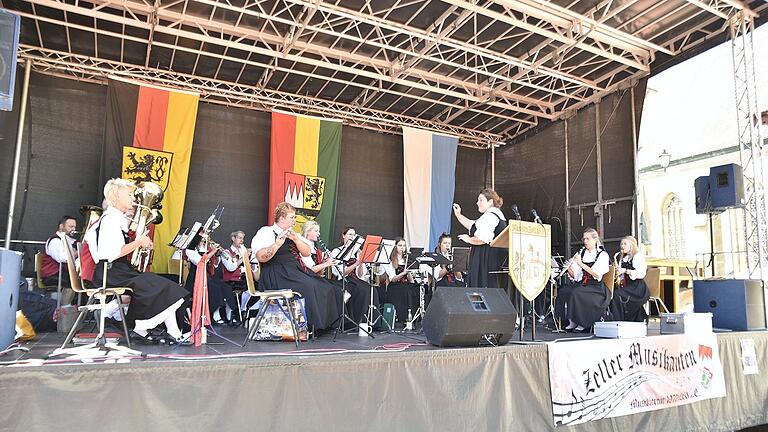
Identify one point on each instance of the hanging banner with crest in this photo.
(304, 167)
(148, 138)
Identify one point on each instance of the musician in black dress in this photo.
(632, 294)
(154, 299)
(401, 291)
(483, 258)
(585, 298)
(444, 276)
(356, 277)
(279, 250)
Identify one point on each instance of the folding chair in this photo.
(652, 277)
(267, 298)
(42, 285)
(101, 295)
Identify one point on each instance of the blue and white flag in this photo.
(429, 172)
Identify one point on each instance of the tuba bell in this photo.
(148, 197)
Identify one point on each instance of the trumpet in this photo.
(148, 196)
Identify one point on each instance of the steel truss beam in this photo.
(750, 146)
(485, 70)
(250, 97)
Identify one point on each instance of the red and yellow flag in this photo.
(148, 137)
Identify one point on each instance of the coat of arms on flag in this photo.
(144, 165)
(304, 167)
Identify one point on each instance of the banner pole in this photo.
(17, 155)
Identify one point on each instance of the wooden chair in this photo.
(101, 294)
(176, 265)
(652, 277)
(610, 278)
(41, 284)
(267, 298)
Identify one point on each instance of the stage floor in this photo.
(344, 343)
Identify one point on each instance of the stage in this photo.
(395, 382)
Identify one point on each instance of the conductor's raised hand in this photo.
(464, 238)
(456, 209)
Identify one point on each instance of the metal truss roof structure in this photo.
(484, 70)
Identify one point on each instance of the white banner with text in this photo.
(596, 379)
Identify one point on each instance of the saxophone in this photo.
(148, 196)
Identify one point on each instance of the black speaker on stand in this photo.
(469, 317)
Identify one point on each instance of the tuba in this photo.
(148, 196)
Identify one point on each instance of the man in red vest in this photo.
(54, 254)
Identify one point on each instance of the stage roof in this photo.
(485, 70)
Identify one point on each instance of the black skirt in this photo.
(628, 301)
(482, 260)
(404, 296)
(584, 304)
(359, 302)
(151, 294)
(322, 299)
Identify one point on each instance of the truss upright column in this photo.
(750, 146)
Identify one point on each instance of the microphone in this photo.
(516, 211)
(536, 217)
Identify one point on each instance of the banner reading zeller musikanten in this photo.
(596, 379)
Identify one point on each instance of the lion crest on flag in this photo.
(144, 165)
(305, 193)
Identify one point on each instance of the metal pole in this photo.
(636, 204)
(567, 195)
(493, 166)
(17, 156)
(600, 222)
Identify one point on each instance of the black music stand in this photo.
(376, 251)
(343, 255)
(432, 260)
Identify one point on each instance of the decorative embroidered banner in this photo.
(596, 379)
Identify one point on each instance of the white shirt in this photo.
(600, 267)
(265, 237)
(112, 225)
(55, 249)
(638, 262)
(229, 260)
(308, 261)
(486, 224)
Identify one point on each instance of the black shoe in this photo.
(113, 323)
(144, 340)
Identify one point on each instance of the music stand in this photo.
(179, 243)
(375, 251)
(432, 260)
(342, 255)
(460, 259)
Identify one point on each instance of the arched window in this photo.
(672, 222)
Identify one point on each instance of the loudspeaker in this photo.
(726, 183)
(469, 317)
(735, 304)
(703, 201)
(10, 270)
(9, 45)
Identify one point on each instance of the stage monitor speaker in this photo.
(9, 46)
(10, 270)
(469, 317)
(735, 304)
(726, 183)
(703, 202)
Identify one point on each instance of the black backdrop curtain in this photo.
(230, 166)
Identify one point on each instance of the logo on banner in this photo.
(529, 257)
(144, 165)
(305, 193)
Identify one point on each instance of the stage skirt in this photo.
(322, 299)
(628, 301)
(584, 304)
(151, 295)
